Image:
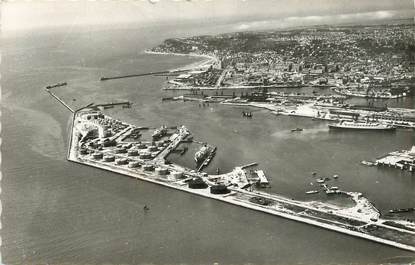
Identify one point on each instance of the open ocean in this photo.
(57, 212)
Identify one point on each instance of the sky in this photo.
(245, 14)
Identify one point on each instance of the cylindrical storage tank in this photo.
(161, 171)
(152, 148)
(121, 161)
(134, 164)
(219, 189)
(109, 158)
(108, 143)
(148, 167)
(120, 150)
(177, 174)
(141, 146)
(132, 152)
(145, 155)
(197, 183)
(127, 146)
(83, 151)
(97, 155)
(107, 133)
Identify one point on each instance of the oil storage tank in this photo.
(197, 183)
(219, 189)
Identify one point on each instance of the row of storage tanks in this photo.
(142, 150)
(198, 183)
(194, 183)
(136, 164)
(143, 154)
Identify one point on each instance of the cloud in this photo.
(325, 19)
(31, 15)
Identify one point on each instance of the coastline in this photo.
(188, 67)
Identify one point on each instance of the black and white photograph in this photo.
(207, 132)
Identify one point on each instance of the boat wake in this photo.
(309, 133)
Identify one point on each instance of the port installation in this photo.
(98, 140)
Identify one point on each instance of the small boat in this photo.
(402, 210)
(331, 192)
(312, 192)
(320, 180)
(367, 163)
(334, 188)
(297, 130)
(335, 176)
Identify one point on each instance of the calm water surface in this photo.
(55, 211)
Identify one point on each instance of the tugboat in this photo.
(297, 130)
(160, 132)
(361, 125)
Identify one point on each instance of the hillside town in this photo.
(371, 61)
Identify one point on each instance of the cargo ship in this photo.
(385, 94)
(202, 154)
(361, 125)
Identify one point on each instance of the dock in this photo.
(262, 178)
(404, 160)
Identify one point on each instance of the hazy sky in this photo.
(20, 14)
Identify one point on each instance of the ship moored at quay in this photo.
(100, 141)
(355, 125)
(317, 107)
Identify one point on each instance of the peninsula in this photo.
(100, 141)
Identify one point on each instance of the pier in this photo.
(56, 85)
(124, 104)
(404, 160)
(60, 100)
(142, 74)
(249, 165)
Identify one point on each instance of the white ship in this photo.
(356, 125)
(201, 154)
(158, 133)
